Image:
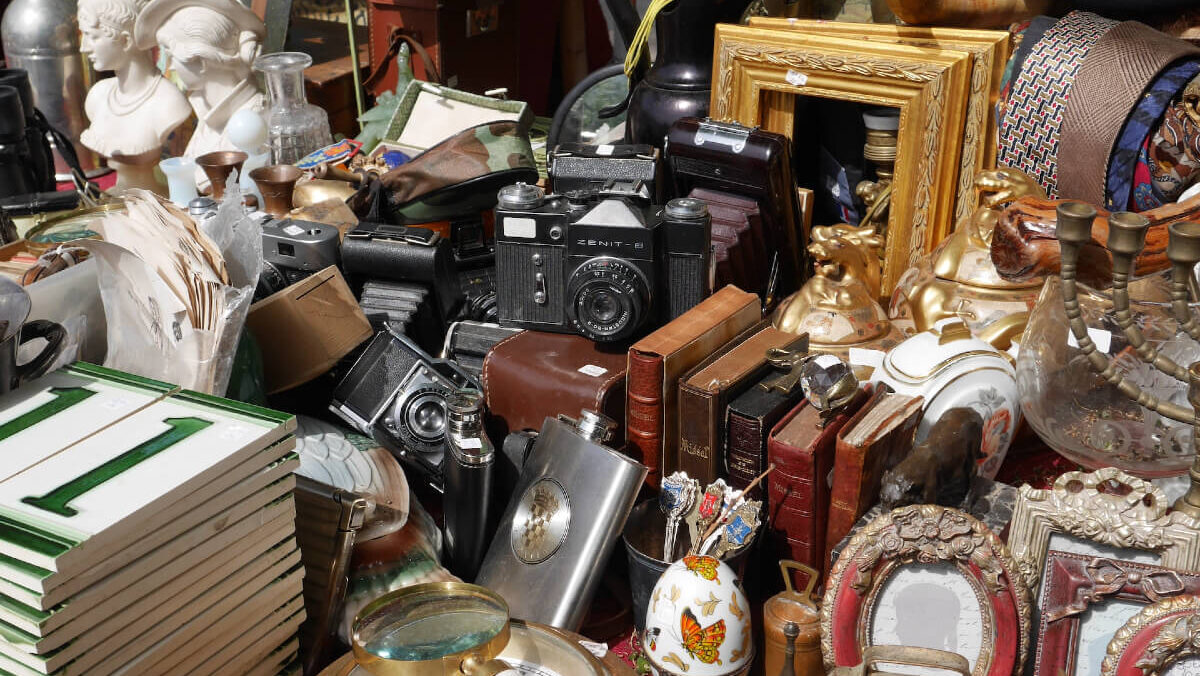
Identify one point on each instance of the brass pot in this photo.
(218, 165)
(276, 183)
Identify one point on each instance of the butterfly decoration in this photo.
(702, 643)
(704, 566)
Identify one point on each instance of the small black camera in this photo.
(603, 267)
(396, 393)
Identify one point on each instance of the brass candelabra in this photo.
(1126, 239)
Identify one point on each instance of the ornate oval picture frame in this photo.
(913, 540)
(1160, 635)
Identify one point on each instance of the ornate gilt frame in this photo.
(756, 72)
(989, 55)
(1077, 506)
(1154, 639)
(922, 534)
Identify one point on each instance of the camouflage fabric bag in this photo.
(458, 176)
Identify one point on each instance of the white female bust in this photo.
(211, 45)
(133, 113)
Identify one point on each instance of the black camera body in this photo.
(293, 250)
(603, 267)
(396, 393)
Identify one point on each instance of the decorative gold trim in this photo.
(989, 53)
(1175, 641)
(757, 70)
(953, 359)
(1077, 506)
(928, 534)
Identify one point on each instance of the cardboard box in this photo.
(303, 330)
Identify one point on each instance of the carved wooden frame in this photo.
(1154, 639)
(1077, 582)
(757, 71)
(1076, 506)
(989, 55)
(923, 534)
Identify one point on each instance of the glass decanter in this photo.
(295, 127)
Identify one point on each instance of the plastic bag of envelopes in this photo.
(176, 292)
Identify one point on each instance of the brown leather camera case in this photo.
(533, 375)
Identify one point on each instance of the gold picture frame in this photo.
(757, 72)
(989, 49)
(1102, 513)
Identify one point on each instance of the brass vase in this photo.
(276, 183)
(218, 165)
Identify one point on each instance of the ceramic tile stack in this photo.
(144, 529)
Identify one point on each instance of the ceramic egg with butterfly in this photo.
(698, 621)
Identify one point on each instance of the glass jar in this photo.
(1085, 418)
(295, 127)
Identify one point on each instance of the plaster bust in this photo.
(210, 44)
(133, 113)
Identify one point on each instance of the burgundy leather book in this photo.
(657, 361)
(801, 446)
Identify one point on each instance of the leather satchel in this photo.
(534, 375)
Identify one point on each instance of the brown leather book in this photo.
(657, 361)
(801, 446)
(878, 437)
(705, 392)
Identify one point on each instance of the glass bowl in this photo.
(1083, 417)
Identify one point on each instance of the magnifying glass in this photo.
(433, 629)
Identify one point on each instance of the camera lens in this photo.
(425, 416)
(603, 306)
(607, 298)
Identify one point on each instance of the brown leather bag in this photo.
(533, 375)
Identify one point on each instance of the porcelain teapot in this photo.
(951, 368)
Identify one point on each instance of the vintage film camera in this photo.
(605, 268)
(293, 250)
(630, 170)
(396, 393)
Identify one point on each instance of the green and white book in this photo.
(149, 599)
(279, 660)
(218, 556)
(41, 418)
(43, 589)
(240, 655)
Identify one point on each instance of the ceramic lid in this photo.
(924, 355)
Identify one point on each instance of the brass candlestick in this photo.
(1126, 239)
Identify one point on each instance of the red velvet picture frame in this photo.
(1073, 583)
(927, 534)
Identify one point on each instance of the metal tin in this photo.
(559, 528)
(42, 37)
(798, 607)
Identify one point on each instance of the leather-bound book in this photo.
(801, 445)
(657, 361)
(878, 437)
(704, 393)
(748, 424)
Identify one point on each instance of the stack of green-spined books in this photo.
(144, 530)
